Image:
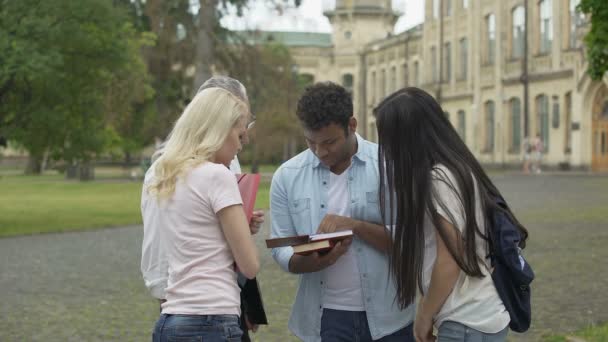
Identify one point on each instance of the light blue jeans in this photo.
(194, 328)
(456, 332)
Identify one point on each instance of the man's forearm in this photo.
(373, 234)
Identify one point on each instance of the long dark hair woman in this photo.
(436, 196)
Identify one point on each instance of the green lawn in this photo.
(49, 203)
(598, 333)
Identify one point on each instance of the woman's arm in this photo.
(235, 227)
(444, 277)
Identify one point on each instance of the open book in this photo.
(306, 244)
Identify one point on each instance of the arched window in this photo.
(464, 58)
(347, 82)
(515, 125)
(382, 85)
(393, 78)
(518, 24)
(434, 65)
(568, 123)
(542, 119)
(462, 125)
(447, 62)
(373, 88)
(489, 127)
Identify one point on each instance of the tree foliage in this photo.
(597, 38)
(60, 62)
(268, 72)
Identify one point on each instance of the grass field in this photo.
(597, 333)
(49, 203)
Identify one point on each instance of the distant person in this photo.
(438, 193)
(193, 199)
(346, 294)
(154, 260)
(538, 149)
(527, 147)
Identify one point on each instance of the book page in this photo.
(329, 236)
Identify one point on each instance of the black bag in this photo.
(511, 273)
(253, 306)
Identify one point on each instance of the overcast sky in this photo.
(309, 16)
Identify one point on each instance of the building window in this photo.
(447, 62)
(518, 23)
(546, 26)
(542, 119)
(416, 73)
(382, 85)
(555, 114)
(347, 34)
(576, 20)
(405, 75)
(448, 7)
(568, 123)
(490, 38)
(465, 4)
(447, 115)
(464, 58)
(393, 85)
(489, 127)
(373, 87)
(434, 75)
(180, 32)
(462, 125)
(436, 4)
(347, 82)
(515, 127)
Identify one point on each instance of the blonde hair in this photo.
(197, 135)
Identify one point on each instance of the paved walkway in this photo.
(86, 286)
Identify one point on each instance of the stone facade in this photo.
(480, 44)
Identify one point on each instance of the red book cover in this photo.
(248, 187)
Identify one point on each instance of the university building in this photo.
(470, 55)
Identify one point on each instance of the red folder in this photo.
(248, 186)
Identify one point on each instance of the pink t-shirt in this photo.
(202, 278)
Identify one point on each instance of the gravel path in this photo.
(86, 286)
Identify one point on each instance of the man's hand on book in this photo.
(327, 259)
(256, 221)
(333, 223)
(316, 261)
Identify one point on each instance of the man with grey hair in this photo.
(154, 266)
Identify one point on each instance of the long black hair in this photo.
(415, 136)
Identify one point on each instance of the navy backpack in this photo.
(512, 274)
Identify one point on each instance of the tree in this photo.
(59, 59)
(597, 38)
(190, 45)
(273, 85)
(208, 25)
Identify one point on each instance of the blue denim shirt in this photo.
(298, 203)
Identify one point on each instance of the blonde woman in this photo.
(206, 234)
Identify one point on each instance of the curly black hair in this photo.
(325, 103)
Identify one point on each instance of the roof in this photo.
(287, 38)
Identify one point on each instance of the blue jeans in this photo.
(456, 332)
(197, 328)
(351, 326)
